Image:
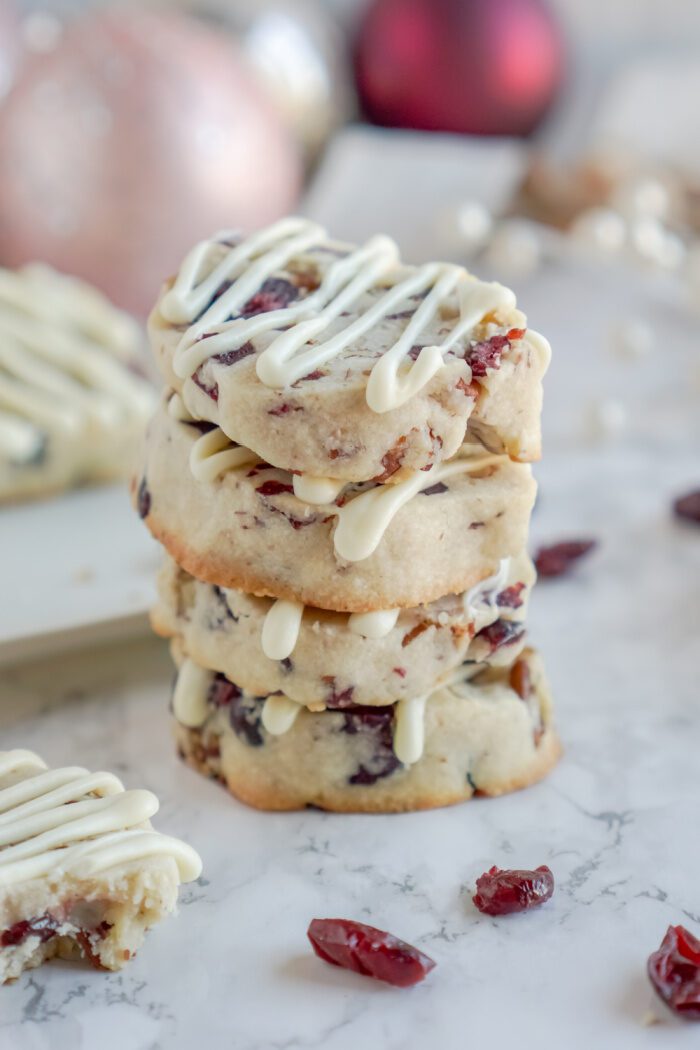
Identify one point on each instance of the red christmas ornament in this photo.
(139, 133)
(482, 67)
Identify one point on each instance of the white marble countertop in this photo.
(617, 821)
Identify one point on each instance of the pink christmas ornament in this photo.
(485, 67)
(139, 133)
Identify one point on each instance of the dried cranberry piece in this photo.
(510, 598)
(558, 559)
(273, 488)
(435, 489)
(379, 722)
(674, 971)
(274, 294)
(43, 927)
(231, 357)
(143, 499)
(337, 698)
(211, 391)
(245, 716)
(368, 951)
(500, 633)
(221, 613)
(222, 692)
(688, 507)
(501, 892)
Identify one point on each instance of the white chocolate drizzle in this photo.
(213, 454)
(190, 696)
(299, 348)
(279, 714)
(483, 594)
(376, 624)
(364, 518)
(75, 822)
(281, 627)
(63, 355)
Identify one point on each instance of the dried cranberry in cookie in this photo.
(355, 363)
(466, 736)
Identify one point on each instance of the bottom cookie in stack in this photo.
(488, 734)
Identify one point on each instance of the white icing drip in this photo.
(190, 705)
(281, 629)
(376, 624)
(75, 822)
(483, 594)
(177, 409)
(289, 356)
(317, 490)
(409, 729)
(364, 519)
(279, 714)
(213, 454)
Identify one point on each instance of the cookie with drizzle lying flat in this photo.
(73, 406)
(82, 872)
(340, 361)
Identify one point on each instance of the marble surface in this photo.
(617, 821)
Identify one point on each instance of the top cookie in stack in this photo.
(345, 434)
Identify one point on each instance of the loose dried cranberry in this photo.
(368, 951)
(222, 692)
(510, 598)
(379, 722)
(674, 971)
(43, 927)
(435, 489)
(688, 507)
(143, 499)
(500, 633)
(274, 294)
(501, 892)
(557, 559)
(273, 488)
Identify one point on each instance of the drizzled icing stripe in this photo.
(365, 517)
(62, 348)
(289, 356)
(75, 822)
(282, 623)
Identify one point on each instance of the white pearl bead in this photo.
(607, 418)
(464, 228)
(515, 248)
(632, 339)
(655, 244)
(600, 228)
(645, 196)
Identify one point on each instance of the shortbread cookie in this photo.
(367, 658)
(82, 872)
(229, 519)
(339, 360)
(489, 735)
(72, 406)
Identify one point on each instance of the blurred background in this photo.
(552, 144)
(128, 131)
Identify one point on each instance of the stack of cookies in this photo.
(339, 474)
